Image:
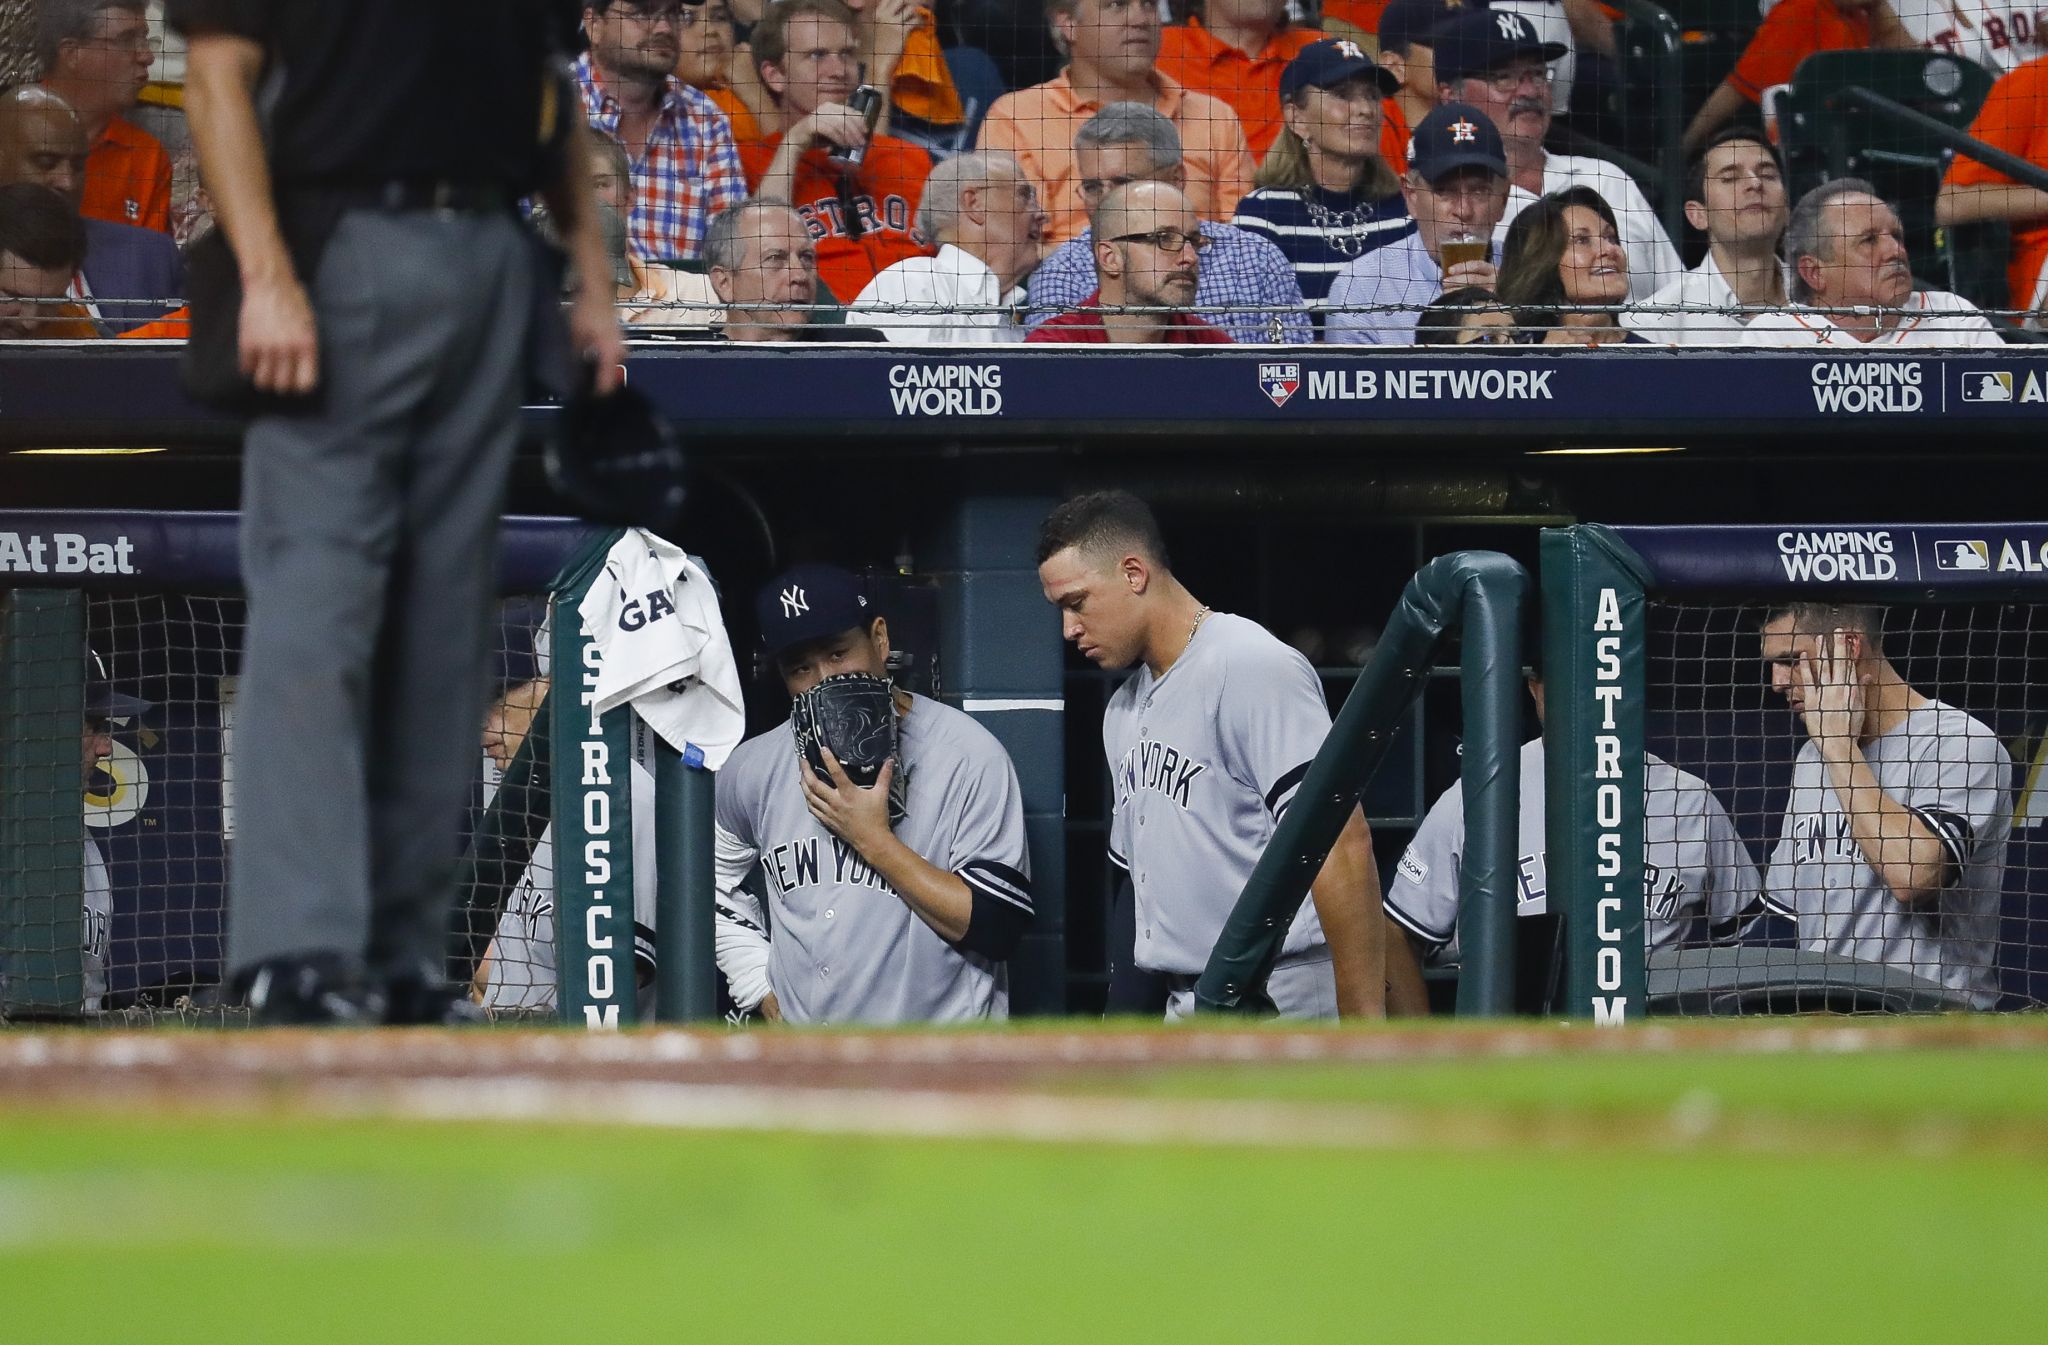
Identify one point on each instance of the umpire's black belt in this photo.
(402, 195)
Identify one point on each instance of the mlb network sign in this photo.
(1280, 382)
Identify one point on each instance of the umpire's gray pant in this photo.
(369, 551)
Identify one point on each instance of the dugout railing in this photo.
(148, 606)
(1652, 645)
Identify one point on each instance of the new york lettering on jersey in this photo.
(841, 944)
(1204, 761)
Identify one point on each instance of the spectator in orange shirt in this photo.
(1791, 32)
(1235, 50)
(705, 42)
(1355, 19)
(1112, 46)
(1407, 54)
(899, 50)
(41, 245)
(2014, 118)
(861, 215)
(96, 55)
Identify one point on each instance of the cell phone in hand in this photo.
(866, 100)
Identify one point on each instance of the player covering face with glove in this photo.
(885, 832)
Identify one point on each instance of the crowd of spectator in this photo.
(1248, 171)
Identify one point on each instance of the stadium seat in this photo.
(1823, 137)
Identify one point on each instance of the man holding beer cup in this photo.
(1456, 185)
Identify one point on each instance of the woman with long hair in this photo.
(1563, 255)
(1324, 195)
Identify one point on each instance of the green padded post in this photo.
(1486, 590)
(686, 971)
(1593, 626)
(42, 801)
(593, 816)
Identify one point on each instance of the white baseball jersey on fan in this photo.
(1951, 771)
(1698, 878)
(522, 953)
(1204, 761)
(836, 943)
(1997, 34)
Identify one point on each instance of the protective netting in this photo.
(1316, 192)
(143, 879)
(1911, 844)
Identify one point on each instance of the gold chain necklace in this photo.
(1200, 617)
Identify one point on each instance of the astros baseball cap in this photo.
(810, 602)
(1404, 22)
(1479, 40)
(1328, 63)
(1453, 136)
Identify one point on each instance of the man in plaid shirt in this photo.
(685, 168)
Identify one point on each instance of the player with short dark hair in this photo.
(1894, 840)
(894, 901)
(1207, 741)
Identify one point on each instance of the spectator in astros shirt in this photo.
(861, 214)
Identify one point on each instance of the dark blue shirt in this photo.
(1320, 231)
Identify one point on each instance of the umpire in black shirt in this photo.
(389, 289)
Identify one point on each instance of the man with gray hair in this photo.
(1851, 281)
(985, 216)
(96, 55)
(1129, 142)
(759, 253)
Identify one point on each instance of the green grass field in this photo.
(1913, 1208)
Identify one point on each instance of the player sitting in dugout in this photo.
(1700, 884)
(887, 830)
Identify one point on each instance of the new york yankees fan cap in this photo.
(1404, 22)
(1453, 136)
(101, 700)
(1476, 41)
(810, 602)
(1328, 63)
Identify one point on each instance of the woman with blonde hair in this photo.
(1324, 194)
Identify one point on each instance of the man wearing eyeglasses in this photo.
(1130, 142)
(1456, 185)
(1148, 258)
(1494, 61)
(96, 56)
(685, 166)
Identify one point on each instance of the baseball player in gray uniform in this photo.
(1893, 845)
(895, 903)
(1207, 741)
(1699, 882)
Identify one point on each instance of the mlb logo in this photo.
(1981, 385)
(1279, 381)
(1963, 555)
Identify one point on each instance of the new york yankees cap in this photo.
(1404, 22)
(1328, 63)
(1453, 136)
(811, 602)
(1477, 41)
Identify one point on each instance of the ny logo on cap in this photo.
(1512, 26)
(1463, 131)
(793, 601)
(1350, 50)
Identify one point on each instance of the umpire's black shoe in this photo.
(311, 990)
(421, 1001)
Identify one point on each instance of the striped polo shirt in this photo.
(1320, 231)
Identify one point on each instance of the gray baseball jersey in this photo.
(523, 974)
(1204, 761)
(1954, 774)
(98, 929)
(841, 945)
(1699, 881)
